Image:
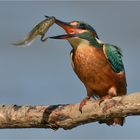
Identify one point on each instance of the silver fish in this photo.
(39, 29)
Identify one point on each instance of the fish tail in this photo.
(27, 40)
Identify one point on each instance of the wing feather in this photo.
(114, 55)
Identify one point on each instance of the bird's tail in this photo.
(114, 121)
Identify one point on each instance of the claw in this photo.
(104, 98)
(82, 103)
(80, 109)
(109, 105)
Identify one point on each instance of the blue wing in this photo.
(114, 56)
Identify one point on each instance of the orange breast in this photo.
(94, 70)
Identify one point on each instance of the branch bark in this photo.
(67, 116)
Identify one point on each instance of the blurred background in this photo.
(42, 74)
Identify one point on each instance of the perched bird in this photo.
(98, 65)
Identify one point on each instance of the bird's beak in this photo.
(66, 26)
(70, 30)
(66, 36)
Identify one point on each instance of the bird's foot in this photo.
(83, 102)
(107, 105)
(104, 98)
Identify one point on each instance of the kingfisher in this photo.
(98, 65)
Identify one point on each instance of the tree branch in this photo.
(67, 116)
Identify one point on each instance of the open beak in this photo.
(65, 25)
(66, 36)
(70, 30)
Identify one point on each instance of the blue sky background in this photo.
(41, 73)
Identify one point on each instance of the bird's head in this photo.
(85, 38)
(76, 27)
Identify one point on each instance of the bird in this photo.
(98, 65)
